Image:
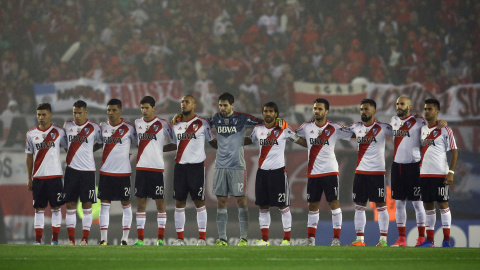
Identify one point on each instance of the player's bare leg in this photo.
(161, 221)
(222, 218)
(243, 216)
(104, 221)
(336, 221)
(201, 221)
(126, 220)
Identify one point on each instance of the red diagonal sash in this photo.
(51, 137)
(362, 147)
(266, 148)
(398, 140)
(429, 137)
(74, 146)
(144, 143)
(109, 146)
(183, 143)
(317, 147)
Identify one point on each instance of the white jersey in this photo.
(45, 147)
(81, 140)
(116, 148)
(272, 146)
(435, 145)
(371, 146)
(407, 140)
(151, 138)
(190, 139)
(321, 142)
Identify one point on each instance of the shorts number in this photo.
(200, 192)
(158, 190)
(127, 191)
(416, 191)
(91, 193)
(281, 197)
(240, 187)
(59, 197)
(381, 192)
(441, 191)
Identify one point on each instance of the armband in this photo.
(294, 138)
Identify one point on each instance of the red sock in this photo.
(38, 235)
(311, 232)
(180, 235)
(360, 234)
(421, 231)
(85, 234)
(264, 234)
(336, 233)
(401, 231)
(161, 233)
(71, 234)
(55, 232)
(201, 235)
(286, 235)
(430, 235)
(446, 234)
(140, 233)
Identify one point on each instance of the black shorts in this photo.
(433, 189)
(189, 178)
(149, 184)
(325, 184)
(47, 191)
(405, 181)
(271, 188)
(114, 188)
(369, 187)
(79, 184)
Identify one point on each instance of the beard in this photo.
(187, 112)
(366, 118)
(401, 113)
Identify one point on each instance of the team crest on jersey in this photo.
(327, 132)
(375, 130)
(120, 131)
(155, 128)
(86, 130)
(195, 127)
(408, 124)
(235, 121)
(227, 121)
(435, 132)
(276, 133)
(53, 135)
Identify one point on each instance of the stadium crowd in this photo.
(254, 49)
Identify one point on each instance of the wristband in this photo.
(452, 172)
(294, 138)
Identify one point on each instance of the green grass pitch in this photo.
(246, 258)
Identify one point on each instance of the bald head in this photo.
(403, 106)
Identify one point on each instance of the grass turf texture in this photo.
(213, 257)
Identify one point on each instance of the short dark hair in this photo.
(115, 101)
(434, 102)
(324, 101)
(44, 106)
(148, 99)
(228, 97)
(369, 101)
(80, 104)
(272, 105)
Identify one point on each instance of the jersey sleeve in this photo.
(29, 145)
(344, 133)
(349, 129)
(388, 130)
(63, 139)
(168, 132)
(450, 139)
(252, 120)
(98, 135)
(301, 131)
(288, 133)
(253, 136)
(133, 136)
(208, 131)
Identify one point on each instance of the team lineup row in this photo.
(420, 171)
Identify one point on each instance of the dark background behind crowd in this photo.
(254, 49)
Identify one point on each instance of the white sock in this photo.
(87, 219)
(337, 218)
(401, 213)
(286, 219)
(360, 219)
(126, 221)
(313, 217)
(71, 218)
(104, 220)
(202, 219)
(430, 219)
(446, 217)
(264, 218)
(39, 221)
(141, 218)
(179, 219)
(419, 213)
(383, 221)
(161, 219)
(56, 217)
